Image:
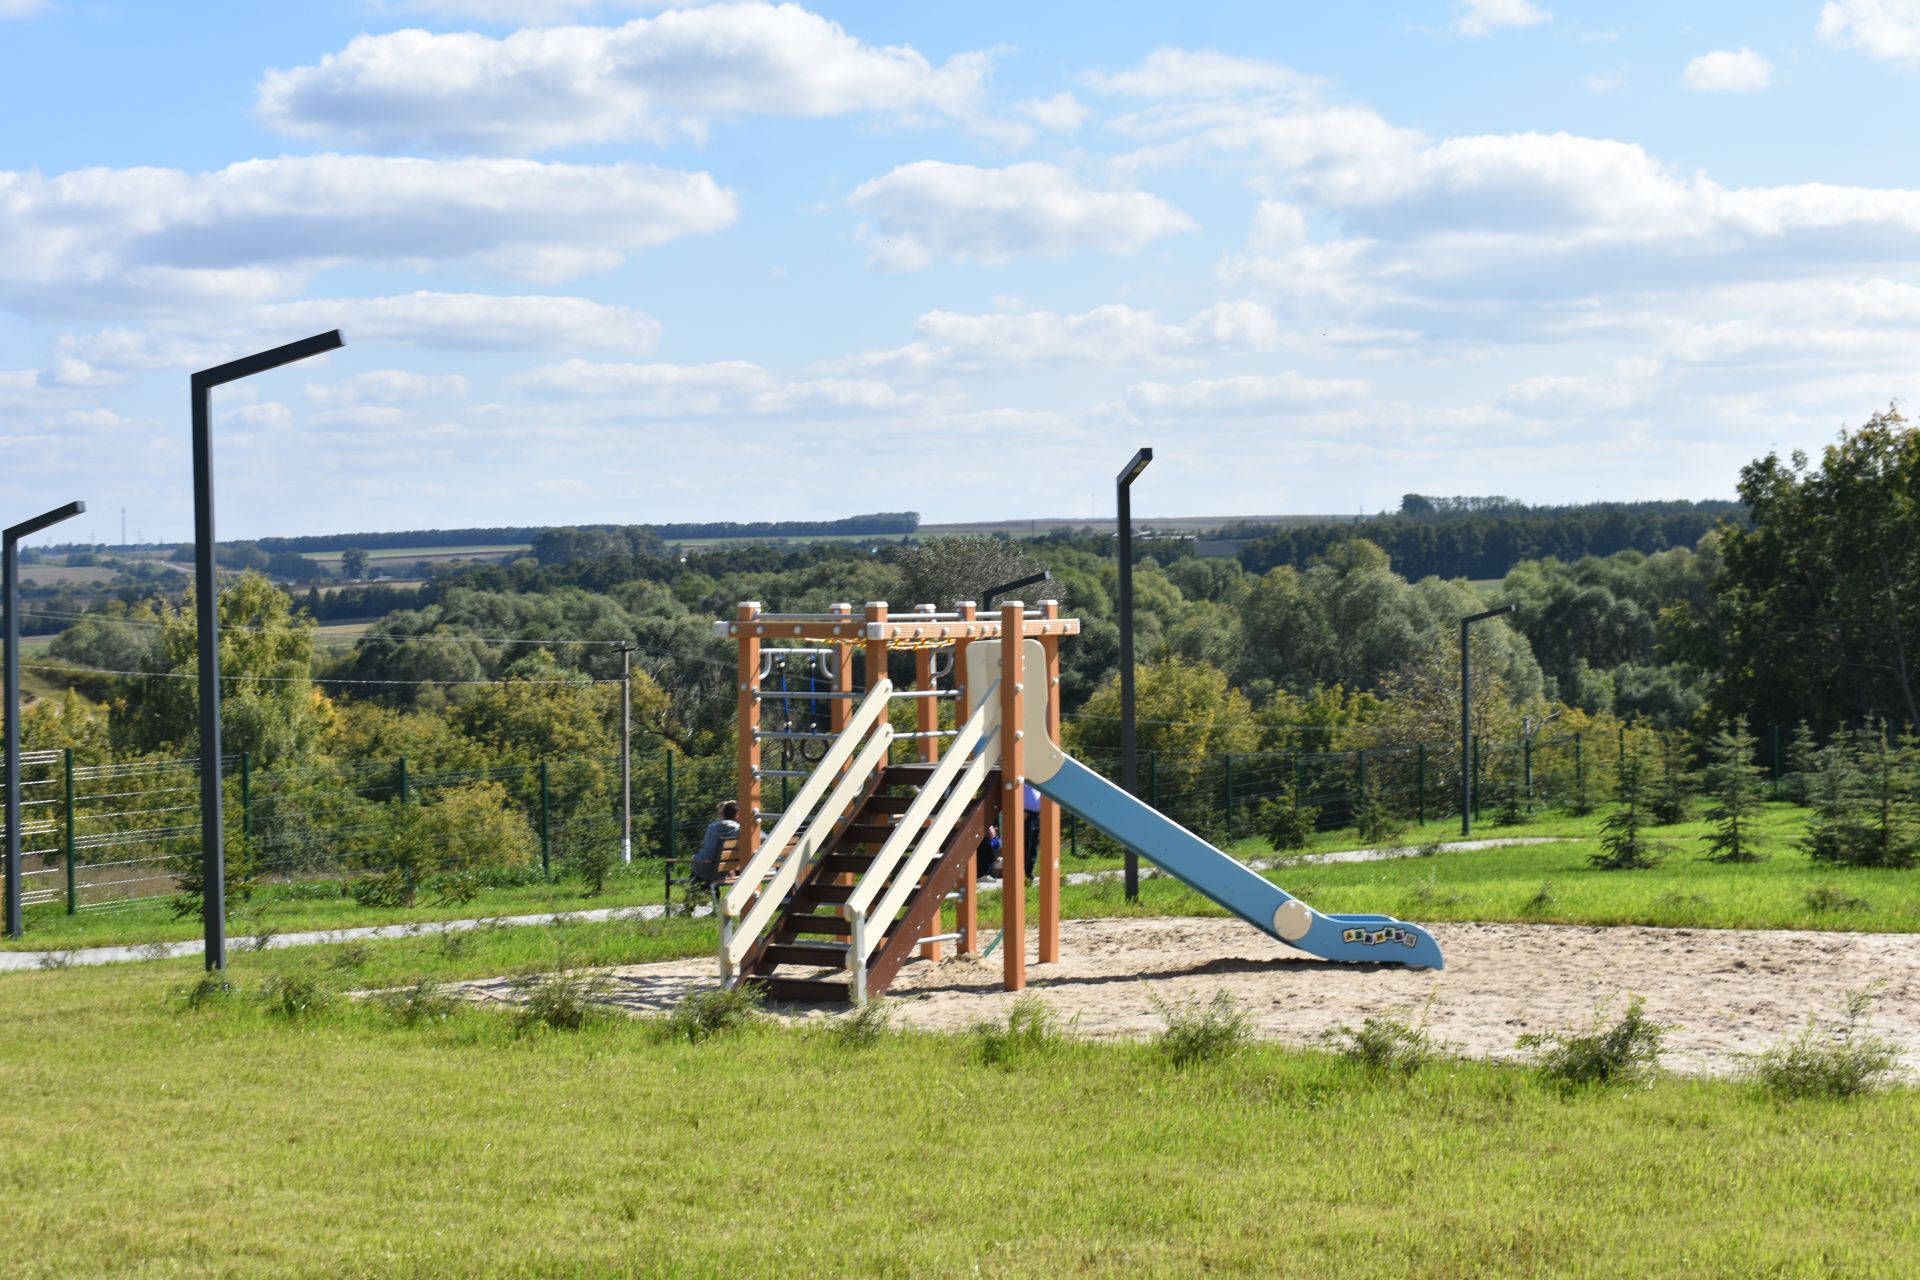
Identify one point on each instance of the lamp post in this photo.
(625, 650)
(11, 587)
(1032, 579)
(1466, 716)
(213, 853)
(1123, 517)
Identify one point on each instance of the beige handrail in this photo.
(844, 795)
(872, 709)
(925, 850)
(907, 830)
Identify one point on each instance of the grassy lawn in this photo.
(319, 905)
(147, 1138)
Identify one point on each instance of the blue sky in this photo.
(627, 262)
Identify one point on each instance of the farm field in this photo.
(384, 554)
(464, 1144)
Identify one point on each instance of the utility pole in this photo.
(1129, 779)
(625, 650)
(1466, 716)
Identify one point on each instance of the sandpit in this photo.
(1725, 992)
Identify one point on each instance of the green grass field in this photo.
(417, 553)
(148, 1138)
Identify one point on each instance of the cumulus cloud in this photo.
(1604, 81)
(932, 209)
(652, 78)
(1198, 73)
(437, 321)
(96, 238)
(21, 8)
(1728, 71)
(1238, 395)
(1062, 113)
(1117, 334)
(388, 386)
(704, 390)
(1484, 17)
(1884, 29)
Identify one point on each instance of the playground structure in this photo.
(852, 876)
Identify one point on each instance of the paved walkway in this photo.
(14, 961)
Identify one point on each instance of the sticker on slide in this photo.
(1380, 936)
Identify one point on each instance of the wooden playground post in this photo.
(967, 918)
(748, 793)
(840, 710)
(1047, 870)
(926, 721)
(1013, 890)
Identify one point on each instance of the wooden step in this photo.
(908, 775)
(815, 894)
(834, 925)
(865, 833)
(819, 955)
(849, 863)
(805, 989)
(886, 804)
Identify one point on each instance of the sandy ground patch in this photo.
(1727, 991)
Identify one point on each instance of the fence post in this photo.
(1296, 778)
(546, 826)
(1153, 778)
(1526, 748)
(403, 779)
(1422, 773)
(73, 901)
(1360, 784)
(1579, 768)
(1229, 795)
(666, 843)
(1474, 764)
(246, 799)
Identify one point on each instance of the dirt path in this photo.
(1726, 991)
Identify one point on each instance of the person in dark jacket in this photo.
(724, 827)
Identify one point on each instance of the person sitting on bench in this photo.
(721, 832)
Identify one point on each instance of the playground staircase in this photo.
(852, 876)
(805, 956)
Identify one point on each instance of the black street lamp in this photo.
(213, 851)
(1123, 517)
(1031, 580)
(11, 587)
(1466, 713)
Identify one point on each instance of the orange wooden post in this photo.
(747, 630)
(840, 710)
(967, 918)
(1048, 869)
(927, 710)
(1013, 890)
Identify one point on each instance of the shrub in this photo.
(1542, 900)
(384, 889)
(456, 888)
(561, 999)
(1290, 825)
(1373, 817)
(422, 1002)
(295, 994)
(1816, 1065)
(1623, 847)
(467, 830)
(1197, 1032)
(1388, 1044)
(350, 955)
(1827, 898)
(702, 1015)
(865, 1027)
(1625, 1052)
(1671, 798)
(1731, 777)
(1030, 1031)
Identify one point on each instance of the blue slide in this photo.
(1186, 857)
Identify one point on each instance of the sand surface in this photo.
(1726, 992)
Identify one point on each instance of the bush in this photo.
(1816, 1065)
(384, 889)
(1626, 1052)
(1030, 1031)
(1542, 899)
(865, 1027)
(456, 888)
(1828, 898)
(424, 1001)
(297, 994)
(1388, 1044)
(1290, 825)
(702, 1015)
(1623, 847)
(595, 862)
(1197, 1033)
(560, 999)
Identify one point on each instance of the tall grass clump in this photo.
(1198, 1032)
(1031, 1030)
(1623, 1052)
(1816, 1064)
(419, 1003)
(702, 1015)
(1387, 1043)
(295, 994)
(865, 1027)
(561, 999)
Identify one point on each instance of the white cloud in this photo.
(1017, 337)
(1550, 395)
(270, 415)
(931, 209)
(388, 386)
(1240, 395)
(1604, 81)
(1199, 73)
(95, 238)
(651, 78)
(21, 8)
(1484, 17)
(704, 390)
(1728, 71)
(1884, 29)
(439, 321)
(1062, 113)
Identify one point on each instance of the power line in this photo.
(189, 675)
